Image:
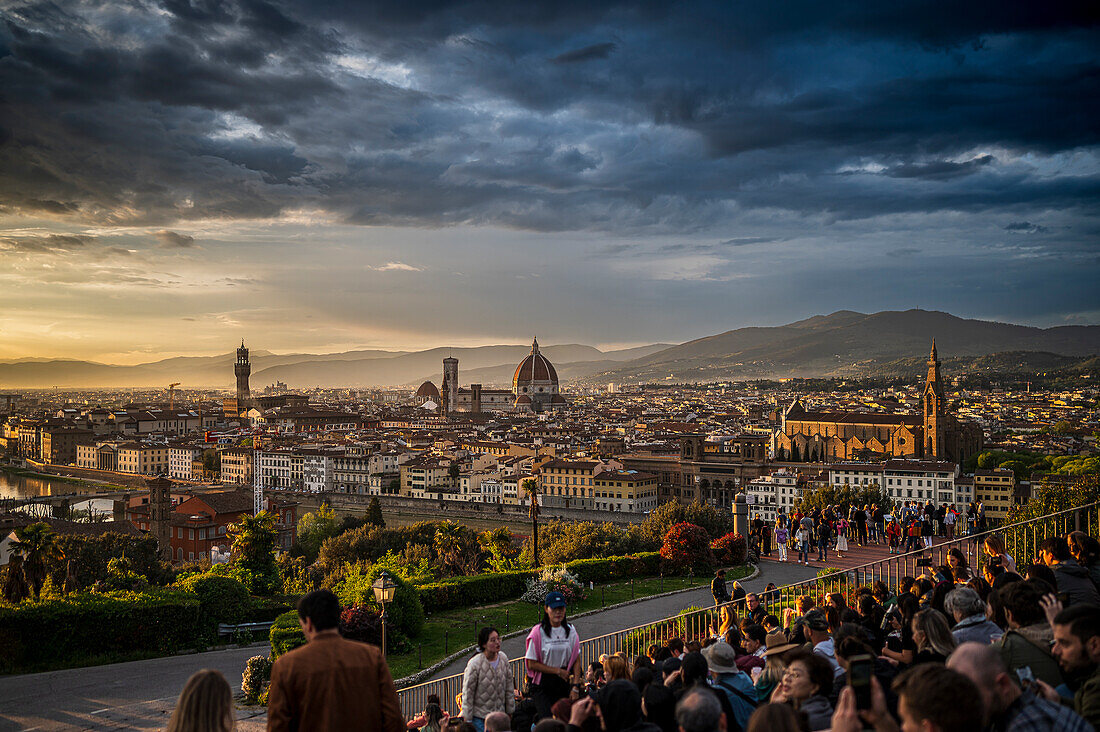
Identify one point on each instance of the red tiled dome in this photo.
(535, 367)
(523, 399)
(427, 389)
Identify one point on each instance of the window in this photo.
(191, 535)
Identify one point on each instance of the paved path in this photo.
(647, 611)
(135, 695)
(856, 556)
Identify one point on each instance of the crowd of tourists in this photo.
(910, 527)
(1003, 647)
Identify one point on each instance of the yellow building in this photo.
(625, 490)
(142, 459)
(996, 489)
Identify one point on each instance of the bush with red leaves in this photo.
(687, 546)
(730, 549)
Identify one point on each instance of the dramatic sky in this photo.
(323, 175)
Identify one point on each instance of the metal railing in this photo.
(1021, 540)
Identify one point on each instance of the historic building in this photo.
(805, 436)
(534, 389)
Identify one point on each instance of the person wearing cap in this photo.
(817, 628)
(553, 658)
(732, 681)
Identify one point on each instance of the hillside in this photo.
(836, 344)
(350, 368)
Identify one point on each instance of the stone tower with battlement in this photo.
(450, 385)
(243, 369)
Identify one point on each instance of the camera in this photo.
(924, 562)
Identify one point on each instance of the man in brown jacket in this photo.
(331, 683)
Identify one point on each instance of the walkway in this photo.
(646, 611)
(135, 695)
(856, 556)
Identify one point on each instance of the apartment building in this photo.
(236, 466)
(624, 490)
(134, 457)
(996, 489)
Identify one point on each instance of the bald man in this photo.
(1009, 708)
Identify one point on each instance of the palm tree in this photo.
(531, 486)
(15, 586)
(37, 544)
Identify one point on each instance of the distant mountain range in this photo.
(845, 343)
(488, 364)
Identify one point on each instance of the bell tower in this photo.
(450, 385)
(934, 405)
(243, 369)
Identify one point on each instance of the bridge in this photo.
(59, 501)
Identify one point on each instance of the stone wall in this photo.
(356, 503)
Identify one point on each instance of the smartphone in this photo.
(860, 670)
(1027, 678)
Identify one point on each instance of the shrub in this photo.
(257, 676)
(363, 624)
(92, 553)
(642, 564)
(286, 634)
(730, 549)
(85, 625)
(656, 525)
(481, 589)
(687, 546)
(222, 599)
(564, 541)
(405, 613)
(553, 579)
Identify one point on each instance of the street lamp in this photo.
(384, 588)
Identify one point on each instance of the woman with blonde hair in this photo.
(727, 618)
(932, 636)
(617, 667)
(205, 705)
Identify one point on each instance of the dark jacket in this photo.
(818, 711)
(1086, 701)
(1074, 580)
(718, 589)
(1030, 646)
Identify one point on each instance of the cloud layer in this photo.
(706, 144)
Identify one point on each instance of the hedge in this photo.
(89, 624)
(222, 599)
(286, 634)
(501, 586)
(477, 590)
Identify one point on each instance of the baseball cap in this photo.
(555, 599)
(816, 620)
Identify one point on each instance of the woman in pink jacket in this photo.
(553, 656)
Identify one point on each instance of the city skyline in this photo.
(175, 176)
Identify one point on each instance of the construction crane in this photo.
(172, 395)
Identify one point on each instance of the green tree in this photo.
(37, 544)
(15, 580)
(843, 495)
(661, 519)
(531, 488)
(564, 541)
(456, 548)
(500, 546)
(314, 528)
(254, 552)
(374, 513)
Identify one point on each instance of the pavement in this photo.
(134, 695)
(142, 694)
(856, 556)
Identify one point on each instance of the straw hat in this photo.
(776, 643)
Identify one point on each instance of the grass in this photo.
(448, 632)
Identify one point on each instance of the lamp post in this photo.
(384, 588)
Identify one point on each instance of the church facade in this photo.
(805, 436)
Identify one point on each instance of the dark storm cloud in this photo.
(588, 53)
(491, 112)
(175, 240)
(1024, 227)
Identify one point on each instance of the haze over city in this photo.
(177, 176)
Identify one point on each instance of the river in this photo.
(13, 485)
